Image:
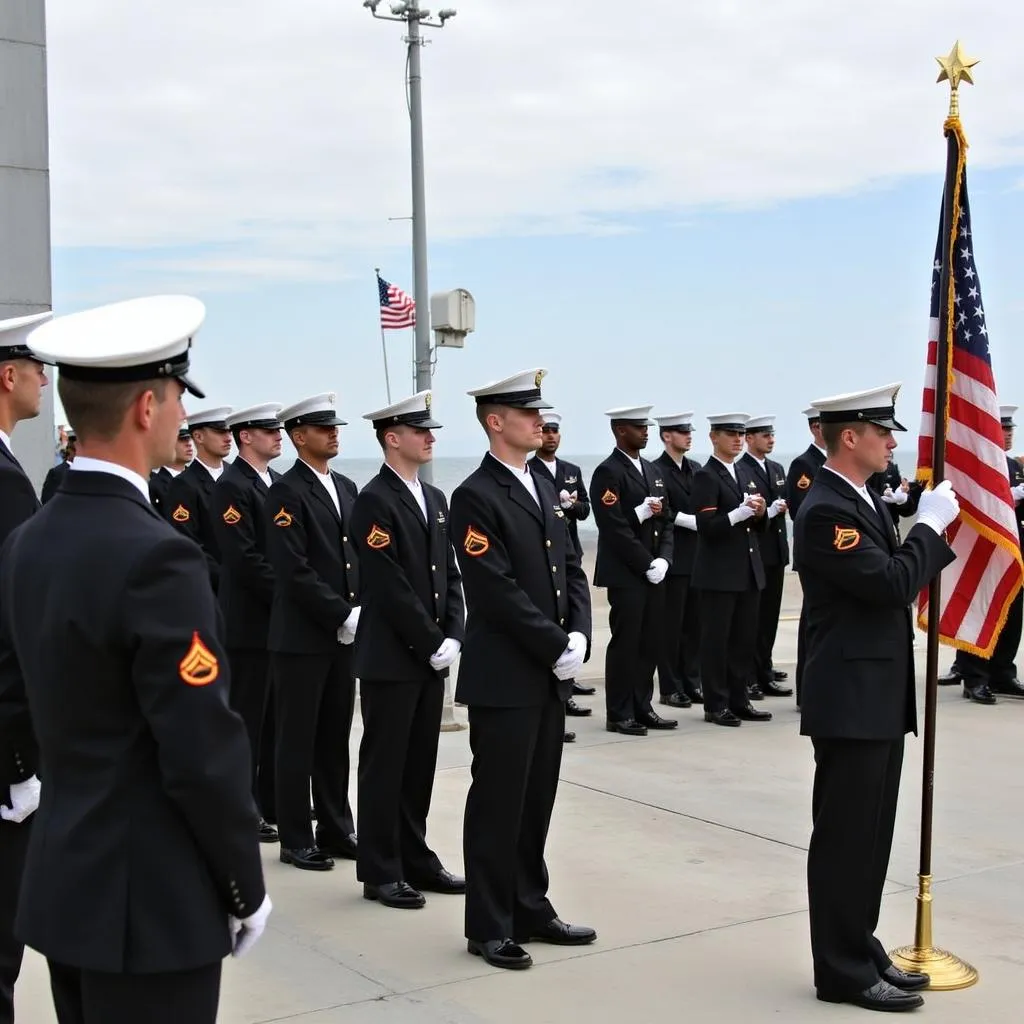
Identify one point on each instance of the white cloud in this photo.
(278, 128)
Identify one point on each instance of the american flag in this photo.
(978, 588)
(397, 310)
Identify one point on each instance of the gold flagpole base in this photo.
(946, 970)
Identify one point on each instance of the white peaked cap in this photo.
(413, 412)
(729, 421)
(812, 413)
(215, 416)
(760, 423)
(317, 410)
(141, 339)
(553, 417)
(636, 413)
(1006, 414)
(675, 419)
(876, 405)
(264, 417)
(521, 390)
(14, 333)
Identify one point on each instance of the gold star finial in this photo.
(956, 68)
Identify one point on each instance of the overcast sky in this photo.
(728, 206)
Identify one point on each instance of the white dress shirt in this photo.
(523, 476)
(83, 464)
(415, 488)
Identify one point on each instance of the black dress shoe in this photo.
(400, 895)
(676, 700)
(345, 849)
(980, 694)
(697, 696)
(881, 996)
(725, 717)
(558, 933)
(501, 953)
(951, 678)
(908, 981)
(779, 676)
(444, 882)
(310, 859)
(575, 711)
(754, 692)
(653, 720)
(569, 737)
(628, 727)
(751, 714)
(579, 690)
(1009, 688)
(267, 832)
(773, 689)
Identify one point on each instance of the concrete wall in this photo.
(25, 197)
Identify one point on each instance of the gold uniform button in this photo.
(438, 621)
(351, 595)
(554, 568)
(433, 568)
(436, 596)
(348, 565)
(558, 593)
(344, 540)
(561, 622)
(547, 543)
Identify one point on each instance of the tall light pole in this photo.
(415, 18)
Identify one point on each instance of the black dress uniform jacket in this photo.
(186, 507)
(728, 556)
(770, 483)
(18, 498)
(52, 481)
(412, 591)
(528, 591)
(679, 485)
(568, 476)
(626, 547)
(246, 590)
(159, 483)
(802, 471)
(315, 560)
(858, 586)
(145, 839)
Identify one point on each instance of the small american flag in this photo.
(978, 588)
(397, 310)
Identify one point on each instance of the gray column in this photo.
(25, 198)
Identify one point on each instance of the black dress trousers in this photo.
(727, 639)
(856, 786)
(250, 685)
(314, 702)
(635, 615)
(517, 754)
(13, 844)
(397, 760)
(801, 652)
(768, 621)
(94, 997)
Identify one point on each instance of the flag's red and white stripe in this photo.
(976, 588)
(400, 310)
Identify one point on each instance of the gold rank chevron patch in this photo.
(231, 515)
(199, 667)
(804, 482)
(609, 498)
(181, 514)
(475, 543)
(378, 538)
(846, 538)
(283, 518)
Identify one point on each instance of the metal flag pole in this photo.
(383, 344)
(946, 970)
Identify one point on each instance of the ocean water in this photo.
(450, 472)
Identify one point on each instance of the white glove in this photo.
(566, 500)
(777, 507)
(445, 654)
(571, 660)
(891, 497)
(644, 511)
(657, 571)
(741, 513)
(24, 801)
(686, 520)
(347, 630)
(1017, 492)
(938, 507)
(246, 931)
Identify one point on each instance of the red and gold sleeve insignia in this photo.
(283, 518)
(609, 498)
(378, 538)
(181, 514)
(231, 515)
(199, 667)
(804, 482)
(846, 538)
(476, 543)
